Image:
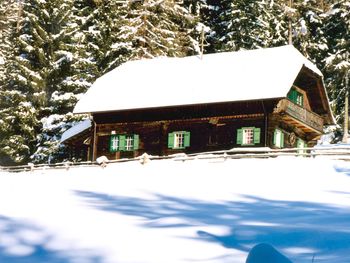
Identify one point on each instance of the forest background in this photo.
(51, 51)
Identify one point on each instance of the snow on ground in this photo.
(172, 211)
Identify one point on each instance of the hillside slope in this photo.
(174, 211)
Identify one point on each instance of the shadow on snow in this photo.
(301, 230)
(21, 242)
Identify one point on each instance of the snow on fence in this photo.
(336, 153)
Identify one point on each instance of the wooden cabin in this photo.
(261, 98)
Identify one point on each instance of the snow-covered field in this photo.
(173, 211)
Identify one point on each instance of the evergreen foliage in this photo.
(74, 70)
(18, 114)
(144, 29)
(52, 51)
(337, 68)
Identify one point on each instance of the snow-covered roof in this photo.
(76, 129)
(220, 77)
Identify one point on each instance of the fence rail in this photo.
(336, 153)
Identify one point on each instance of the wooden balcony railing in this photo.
(301, 114)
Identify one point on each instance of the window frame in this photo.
(175, 137)
(256, 136)
(248, 136)
(296, 97)
(114, 139)
(129, 143)
(278, 138)
(301, 145)
(126, 143)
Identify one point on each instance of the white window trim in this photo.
(248, 136)
(179, 140)
(129, 143)
(115, 143)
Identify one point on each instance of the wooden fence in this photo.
(336, 153)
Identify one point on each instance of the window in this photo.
(301, 145)
(248, 136)
(296, 97)
(278, 138)
(129, 139)
(179, 140)
(114, 143)
(122, 142)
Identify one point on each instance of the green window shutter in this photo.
(112, 145)
(187, 139)
(280, 134)
(295, 96)
(292, 95)
(122, 142)
(256, 135)
(136, 142)
(171, 140)
(300, 143)
(282, 139)
(240, 136)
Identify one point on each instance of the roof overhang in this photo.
(76, 130)
(216, 78)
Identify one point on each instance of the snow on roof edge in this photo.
(180, 105)
(76, 129)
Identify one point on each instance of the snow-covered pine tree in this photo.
(146, 29)
(242, 18)
(308, 33)
(73, 70)
(18, 114)
(39, 93)
(337, 67)
(9, 19)
(237, 24)
(217, 17)
(101, 27)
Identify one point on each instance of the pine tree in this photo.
(145, 29)
(217, 17)
(308, 31)
(338, 60)
(9, 17)
(41, 88)
(18, 117)
(238, 24)
(73, 70)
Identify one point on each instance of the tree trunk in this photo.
(290, 37)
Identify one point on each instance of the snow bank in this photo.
(175, 211)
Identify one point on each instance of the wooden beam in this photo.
(151, 123)
(94, 142)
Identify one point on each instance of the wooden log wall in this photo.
(207, 134)
(276, 121)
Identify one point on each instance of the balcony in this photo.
(299, 116)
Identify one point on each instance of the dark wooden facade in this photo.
(214, 130)
(212, 127)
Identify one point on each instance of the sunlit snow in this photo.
(175, 211)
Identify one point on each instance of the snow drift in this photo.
(174, 211)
